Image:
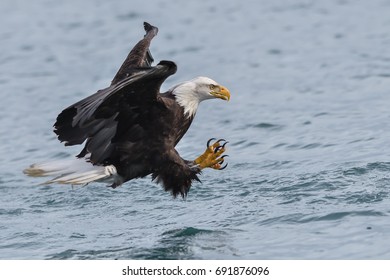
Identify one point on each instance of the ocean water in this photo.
(308, 130)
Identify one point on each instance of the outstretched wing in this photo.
(97, 117)
(139, 57)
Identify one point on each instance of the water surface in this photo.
(308, 126)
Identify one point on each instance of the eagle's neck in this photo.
(187, 97)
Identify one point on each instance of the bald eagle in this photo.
(130, 129)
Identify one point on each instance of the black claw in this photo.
(208, 142)
(222, 161)
(217, 149)
(220, 147)
(223, 167)
(220, 140)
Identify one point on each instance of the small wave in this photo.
(65, 255)
(12, 212)
(308, 146)
(380, 166)
(366, 197)
(78, 235)
(128, 16)
(173, 244)
(189, 231)
(274, 52)
(361, 170)
(245, 143)
(68, 254)
(299, 218)
(308, 184)
(355, 171)
(340, 215)
(269, 126)
(321, 114)
(177, 244)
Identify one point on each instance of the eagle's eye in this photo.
(212, 87)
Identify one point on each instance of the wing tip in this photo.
(150, 28)
(170, 66)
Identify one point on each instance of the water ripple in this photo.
(308, 170)
(300, 218)
(268, 126)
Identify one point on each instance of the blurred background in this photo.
(307, 125)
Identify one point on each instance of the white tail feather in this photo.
(73, 171)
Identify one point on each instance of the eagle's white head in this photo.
(189, 94)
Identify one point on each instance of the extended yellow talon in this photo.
(212, 156)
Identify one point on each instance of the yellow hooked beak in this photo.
(220, 92)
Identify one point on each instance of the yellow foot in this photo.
(212, 156)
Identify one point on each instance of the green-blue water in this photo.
(308, 129)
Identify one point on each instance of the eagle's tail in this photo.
(75, 171)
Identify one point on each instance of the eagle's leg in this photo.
(212, 157)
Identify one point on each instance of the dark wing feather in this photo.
(139, 57)
(96, 117)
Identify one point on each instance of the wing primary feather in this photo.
(139, 56)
